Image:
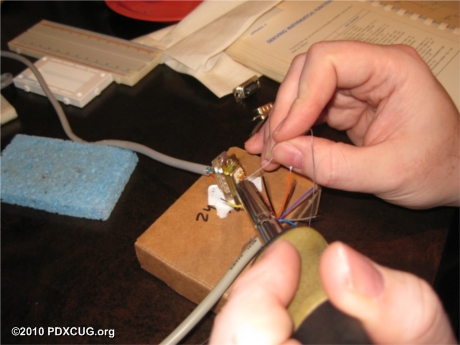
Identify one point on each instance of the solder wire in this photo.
(314, 176)
(250, 177)
(160, 157)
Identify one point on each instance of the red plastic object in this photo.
(154, 11)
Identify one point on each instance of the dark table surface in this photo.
(61, 271)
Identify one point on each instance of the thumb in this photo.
(393, 306)
(339, 165)
(255, 312)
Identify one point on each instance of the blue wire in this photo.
(287, 222)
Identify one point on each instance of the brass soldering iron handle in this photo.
(316, 320)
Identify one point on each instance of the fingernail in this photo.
(279, 126)
(362, 275)
(270, 143)
(268, 150)
(288, 155)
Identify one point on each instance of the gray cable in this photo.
(213, 297)
(174, 162)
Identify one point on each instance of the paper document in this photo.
(270, 44)
(441, 11)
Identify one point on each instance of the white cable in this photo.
(213, 297)
(174, 162)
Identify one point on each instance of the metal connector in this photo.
(246, 89)
(228, 172)
(261, 114)
(239, 191)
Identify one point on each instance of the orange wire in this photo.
(213, 175)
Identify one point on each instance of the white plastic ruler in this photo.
(127, 61)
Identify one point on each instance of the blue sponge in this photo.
(65, 177)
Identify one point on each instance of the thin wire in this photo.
(231, 204)
(261, 168)
(313, 199)
(307, 193)
(303, 219)
(297, 203)
(286, 193)
(171, 161)
(270, 203)
(287, 221)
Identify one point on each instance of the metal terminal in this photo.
(246, 89)
(229, 172)
(261, 114)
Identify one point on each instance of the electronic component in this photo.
(229, 172)
(70, 83)
(246, 89)
(127, 61)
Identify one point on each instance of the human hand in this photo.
(393, 306)
(403, 123)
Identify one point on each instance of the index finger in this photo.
(327, 67)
